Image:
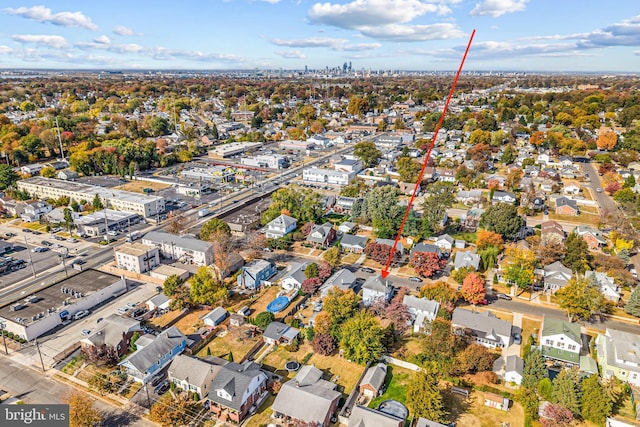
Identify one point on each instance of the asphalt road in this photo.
(32, 387)
(605, 202)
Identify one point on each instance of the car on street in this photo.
(598, 190)
(86, 332)
(46, 243)
(11, 235)
(415, 279)
(37, 233)
(162, 387)
(78, 261)
(81, 314)
(56, 245)
(58, 237)
(72, 240)
(500, 295)
(39, 249)
(156, 380)
(367, 270)
(123, 310)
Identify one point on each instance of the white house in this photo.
(421, 310)
(376, 289)
(609, 289)
(444, 242)
(481, 328)
(618, 355)
(294, 278)
(560, 340)
(509, 368)
(280, 226)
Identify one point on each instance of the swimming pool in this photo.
(278, 304)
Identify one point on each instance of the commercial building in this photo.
(327, 176)
(97, 223)
(210, 174)
(233, 148)
(147, 206)
(137, 257)
(272, 161)
(186, 249)
(292, 144)
(37, 314)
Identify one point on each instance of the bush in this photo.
(306, 358)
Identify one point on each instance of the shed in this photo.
(496, 401)
(373, 381)
(159, 302)
(215, 317)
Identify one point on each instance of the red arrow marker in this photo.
(385, 272)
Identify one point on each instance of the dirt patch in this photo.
(139, 186)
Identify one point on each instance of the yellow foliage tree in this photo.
(607, 140)
(623, 245)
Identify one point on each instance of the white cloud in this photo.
(290, 54)
(413, 33)
(5, 50)
(334, 44)
(65, 19)
(111, 47)
(358, 47)
(497, 8)
(271, 1)
(57, 42)
(371, 12)
(102, 40)
(121, 30)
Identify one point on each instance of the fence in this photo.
(393, 361)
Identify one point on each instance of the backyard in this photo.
(471, 412)
(395, 386)
(237, 341)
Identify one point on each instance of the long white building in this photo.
(182, 248)
(327, 176)
(43, 188)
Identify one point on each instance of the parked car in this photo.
(58, 237)
(367, 270)
(37, 233)
(123, 310)
(162, 387)
(500, 295)
(11, 235)
(39, 249)
(156, 380)
(415, 279)
(81, 314)
(598, 190)
(46, 243)
(517, 339)
(86, 332)
(72, 240)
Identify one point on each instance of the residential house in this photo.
(149, 359)
(307, 398)
(113, 334)
(547, 185)
(566, 206)
(346, 227)
(342, 279)
(618, 355)
(471, 219)
(9, 206)
(67, 175)
(362, 416)
(556, 276)
(447, 175)
(327, 176)
(408, 188)
(322, 235)
(32, 210)
(496, 401)
(571, 190)
(294, 278)
(254, 274)
(345, 204)
(281, 226)
(215, 317)
(158, 302)
(509, 368)
(280, 333)
(192, 374)
(390, 243)
(426, 248)
(236, 390)
(543, 159)
(467, 259)
(607, 286)
(421, 310)
(592, 236)
(423, 422)
(348, 165)
(372, 384)
(375, 288)
(503, 197)
(560, 340)
(551, 231)
(186, 248)
(352, 243)
(481, 328)
(495, 181)
(445, 242)
(566, 161)
(470, 196)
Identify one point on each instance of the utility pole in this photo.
(40, 354)
(33, 269)
(63, 255)
(148, 398)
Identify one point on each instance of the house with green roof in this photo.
(560, 340)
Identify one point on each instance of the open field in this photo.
(138, 186)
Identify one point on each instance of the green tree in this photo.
(367, 152)
(408, 168)
(332, 256)
(101, 383)
(502, 218)
(529, 401)
(381, 208)
(158, 126)
(263, 319)
(340, 305)
(440, 198)
(311, 271)
(68, 219)
(357, 106)
(596, 405)
(629, 181)
(205, 289)
(566, 389)
(8, 177)
(97, 203)
(362, 338)
(171, 284)
(633, 304)
(534, 370)
(82, 413)
(424, 398)
(302, 204)
(48, 172)
(577, 256)
(213, 226)
(581, 299)
(545, 389)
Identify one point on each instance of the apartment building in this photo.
(137, 257)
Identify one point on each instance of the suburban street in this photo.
(605, 202)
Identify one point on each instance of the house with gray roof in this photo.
(186, 249)
(158, 302)
(113, 334)
(421, 310)
(215, 317)
(281, 226)
(149, 359)
(236, 390)
(351, 243)
(280, 333)
(426, 248)
(307, 398)
(509, 368)
(607, 286)
(375, 288)
(361, 416)
(467, 259)
(372, 383)
(390, 242)
(254, 274)
(192, 374)
(294, 278)
(322, 235)
(619, 355)
(444, 242)
(556, 276)
(342, 279)
(481, 328)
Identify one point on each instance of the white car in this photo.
(81, 314)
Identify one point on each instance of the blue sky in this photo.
(527, 35)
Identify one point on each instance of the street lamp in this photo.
(63, 255)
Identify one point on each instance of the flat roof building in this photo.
(231, 149)
(45, 188)
(186, 249)
(137, 257)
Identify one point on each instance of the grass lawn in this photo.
(350, 259)
(72, 365)
(262, 416)
(259, 304)
(338, 370)
(192, 322)
(472, 412)
(138, 186)
(163, 320)
(234, 341)
(467, 237)
(584, 218)
(395, 385)
(529, 326)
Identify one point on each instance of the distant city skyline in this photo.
(426, 35)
